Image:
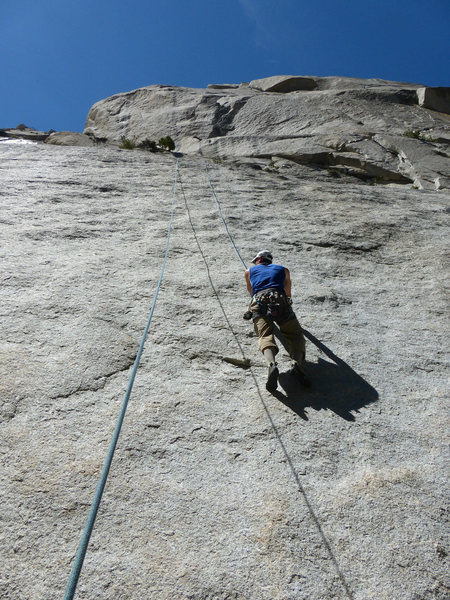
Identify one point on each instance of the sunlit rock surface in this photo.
(69, 138)
(219, 490)
(377, 130)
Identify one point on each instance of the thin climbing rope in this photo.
(289, 461)
(306, 333)
(222, 217)
(79, 558)
(216, 293)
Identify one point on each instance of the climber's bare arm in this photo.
(247, 281)
(287, 282)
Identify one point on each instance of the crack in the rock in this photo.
(224, 116)
(346, 247)
(101, 379)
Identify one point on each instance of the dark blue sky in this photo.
(58, 57)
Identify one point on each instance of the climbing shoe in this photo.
(301, 377)
(272, 378)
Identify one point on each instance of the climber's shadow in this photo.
(335, 386)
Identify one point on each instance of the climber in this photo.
(270, 288)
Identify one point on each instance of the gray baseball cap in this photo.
(263, 254)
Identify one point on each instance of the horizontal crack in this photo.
(98, 383)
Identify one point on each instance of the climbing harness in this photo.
(79, 558)
(268, 304)
(273, 304)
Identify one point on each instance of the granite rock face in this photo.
(23, 132)
(435, 98)
(56, 138)
(219, 490)
(284, 84)
(69, 138)
(373, 129)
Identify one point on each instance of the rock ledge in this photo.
(372, 129)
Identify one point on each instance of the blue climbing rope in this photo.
(222, 217)
(79, 558)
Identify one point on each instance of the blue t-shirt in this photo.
(263, 277)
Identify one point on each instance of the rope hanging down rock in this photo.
(222, 217)
(81, 553)
(289, 461)
(306, 333)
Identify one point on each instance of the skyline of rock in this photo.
(373, 129)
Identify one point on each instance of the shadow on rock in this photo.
(335, 386)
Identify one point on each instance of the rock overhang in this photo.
(263, 117)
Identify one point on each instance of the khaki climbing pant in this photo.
(289, 327)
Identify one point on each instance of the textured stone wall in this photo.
(219, 490)
(378, 130)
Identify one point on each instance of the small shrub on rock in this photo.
(413, 134)
(167, 143)
(127, 144)
(149, 145)
(420, 136)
